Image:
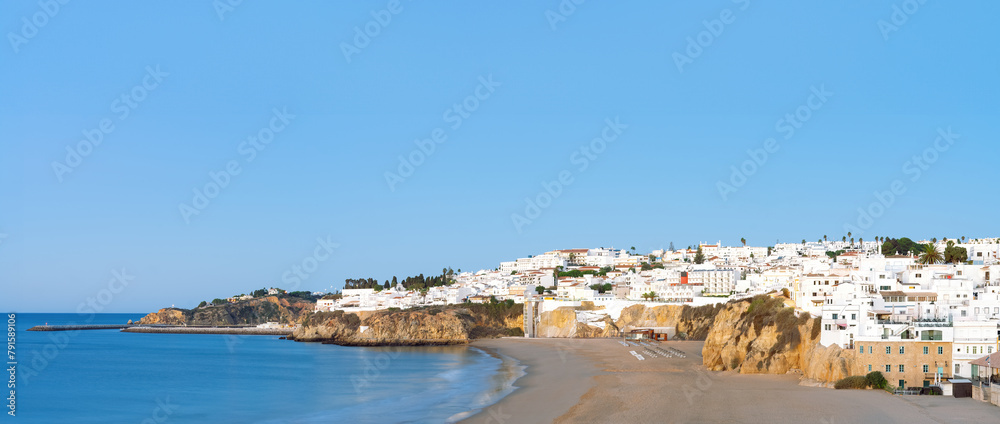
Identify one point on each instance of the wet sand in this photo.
(599, 381)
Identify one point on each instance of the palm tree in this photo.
(744, 241)
(934, 240)
(848, 233)
(930, 255)
(963, 239)
(824, 237)
(844, 239)
(852, 241)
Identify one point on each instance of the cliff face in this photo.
(426, 326)
(587, 321)
(250, 312)
(764, 336)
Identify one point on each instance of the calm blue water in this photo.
(105, 376)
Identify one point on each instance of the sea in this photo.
(106, 376)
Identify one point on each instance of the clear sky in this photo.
(179, 87)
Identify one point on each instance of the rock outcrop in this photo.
(454, 324)
(249, 312)
(587, 321)
(764, 336)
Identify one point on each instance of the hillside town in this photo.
(921, 312)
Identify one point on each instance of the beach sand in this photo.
(599, 381)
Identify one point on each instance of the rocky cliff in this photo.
(453, 324)
(590, 321)
(249, 312)
(767, 336)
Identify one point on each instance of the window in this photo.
(835, 315)
(901, 368)
(869, 367)
(918, 276)
(869, 349)
(975, 350)
(888, 368)
(854, 316)
(901, 350)
(826, 327)
(926, 349)
(958, 369)
(888, 350)
(902, 384)
(862, 349)
(926, 368)
(940, 350)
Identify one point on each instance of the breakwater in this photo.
(74, 327)
(210, 330)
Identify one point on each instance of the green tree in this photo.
(218, 301)
(540, 289)
(930, 255)
(202, 304)
(744, 241)
(955, 254)
(824, 237)
(699, 257)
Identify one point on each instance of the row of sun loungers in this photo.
(654, 350)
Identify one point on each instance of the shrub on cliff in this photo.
(876, 380)
(852, 382)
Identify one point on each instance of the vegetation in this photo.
(601, 288)
(202, 304)
(833, 255)
(852, 382)
(876, 380)
(409, 283)
(218, 301)
(699, 257)
(903, 246)
(930, 255)
(954, 254)
(540, 289)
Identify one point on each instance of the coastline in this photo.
(598, 380)
(555, 378)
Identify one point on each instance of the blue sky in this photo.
(556, 82)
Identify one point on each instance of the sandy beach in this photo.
(599, 381)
